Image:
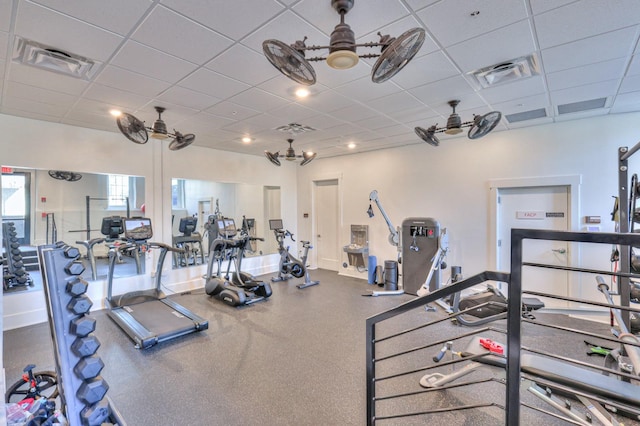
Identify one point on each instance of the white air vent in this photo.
(295, 129)
(582, 106)
(506, 72)
(526, 115)
(51, 59)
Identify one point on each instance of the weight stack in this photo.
(17, 277)
(82, 389)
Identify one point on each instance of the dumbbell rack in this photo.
(82, 389)
(15, 275)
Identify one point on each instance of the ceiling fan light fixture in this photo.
(307, 157)
(159, 130)
(135, 130)
(342, 59)
(454, 125)
(290, 155)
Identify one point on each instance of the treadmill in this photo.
(148, 316)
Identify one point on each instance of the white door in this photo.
(326, 220)
(545, 207)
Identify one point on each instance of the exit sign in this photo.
(7, 169)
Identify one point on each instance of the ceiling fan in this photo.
(394, 54)
(290, 155)
(135, 130)
(64, 175)
(479, 127)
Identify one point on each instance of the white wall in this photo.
(450, 183)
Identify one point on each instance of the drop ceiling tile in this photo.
(48, 80)
(586, 92)
(232, 111)
(35, 107)
(203, 123)
(451, 21)
(419, 4)
(213, 84)
(293, 113)
(634, 65)
(96, 124)
(584, 19)
(39, 94)
(286, 88)
(245, 65)
(362, 18)
(425, 69)
(626, 102)
(255, 124)
(174, 114)
(342, 131)
(615, 44)
(334, 78)
(413, 114)
(530, 123)
(379, 123)
(29, 114)
(541, 6)
(518, 89)
(354, 113)
(364, 90)
(116, 97)
(176, 35)
(151, 62)
(470, 103)
(630, 84)
(118, 16)
(225, 17)
(5, 15)
(395, 102)
(442, 91)
(524, 104)
(498, 46)
(328, 101)
(123, 79)
(43, 26)
(322, 121)
(189, 98)
(258, 99)
(395, 29)
(89, 106)
(286, 27)
(587, 74)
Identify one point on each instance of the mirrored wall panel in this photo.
(78, 208)
(196, 205)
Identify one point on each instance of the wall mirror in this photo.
(195, 203)
(47, 206)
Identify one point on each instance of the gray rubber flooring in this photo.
(296, 359)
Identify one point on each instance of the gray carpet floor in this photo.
(296, 359)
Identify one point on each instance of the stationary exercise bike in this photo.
(289, 265)
(237, 288)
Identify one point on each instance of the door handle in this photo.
(560, 251)
(318, 235)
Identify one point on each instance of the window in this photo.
(118, 190)
(177, 193)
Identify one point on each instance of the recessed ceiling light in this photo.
(351, 145)
(302, 92)
(115, 112)
(246, 139)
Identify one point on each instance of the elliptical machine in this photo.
(289, 265)
(237, 288)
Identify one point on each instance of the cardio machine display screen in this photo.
(227, 228)
(275, 224)
(137, 229)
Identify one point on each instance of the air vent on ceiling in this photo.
(526, 115)
(582, 106)
(506, 72)
(295, 128)
(51, 59)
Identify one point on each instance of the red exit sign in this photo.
(7, 169)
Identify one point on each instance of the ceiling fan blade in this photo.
(273, 157)
(132, 128)
(308, 157)
(397, 54)
(64, 175)
(289, 61)
(483, 124)
(181, 141)
(428, 135)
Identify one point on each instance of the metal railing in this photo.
(394, 361)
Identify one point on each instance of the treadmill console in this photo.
(112, 226)
(275, 224)
(227, 228)
(138, 229)
(188, 225)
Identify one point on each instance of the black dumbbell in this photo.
(97, 414)
(22, 280)
(80, 304)
(71, 252)
(82, 326)
(85, 346)
(77, 286)
(92, 390)
(88, 367)
(19, 272)
(74, 268)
